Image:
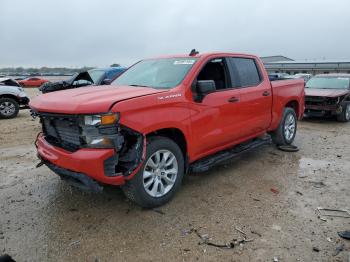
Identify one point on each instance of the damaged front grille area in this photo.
(68, 132)
(321, 101)
(62, 131)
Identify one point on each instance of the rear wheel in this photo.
(344, 116)
(160, 175)
(8, 108)
(286, 131)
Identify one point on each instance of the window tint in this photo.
(215, 70)
(244, 72)
(113, 74)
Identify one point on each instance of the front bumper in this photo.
(89, 162)
(24, 102)
(322, 110)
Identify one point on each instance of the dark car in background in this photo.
(103, 76)
(328, 95)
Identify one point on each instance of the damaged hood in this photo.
(326, 92)
(88, 100)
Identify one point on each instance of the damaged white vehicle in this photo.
(12, 98)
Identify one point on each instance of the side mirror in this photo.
(203, 88)
(106, 81)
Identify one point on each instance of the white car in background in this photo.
(12, 98)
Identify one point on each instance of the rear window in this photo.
(246, 71)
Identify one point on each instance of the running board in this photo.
(206, 163)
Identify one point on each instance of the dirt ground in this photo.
(268, 194)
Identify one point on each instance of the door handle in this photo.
(266, 93)
(233, 100)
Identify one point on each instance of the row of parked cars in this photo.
(13, 97)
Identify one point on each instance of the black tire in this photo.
(279, 136)
(344, 116)
(135, 190)
(6, 102)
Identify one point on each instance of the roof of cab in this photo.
(202, 55)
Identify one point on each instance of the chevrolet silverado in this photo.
(162, 118)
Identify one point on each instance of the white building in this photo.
(281, 64)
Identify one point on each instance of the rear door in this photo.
(255, 97)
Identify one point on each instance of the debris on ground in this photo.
(317, 184)
(274, 190)
(338, 250)
(205, 240)
(288, 148)
(323, 212)
(344, 234)
(255, 233)
(299, 193)
(316, 249)
(75, 243)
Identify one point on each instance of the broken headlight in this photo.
(101, 131)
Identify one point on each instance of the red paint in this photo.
(208, 127)
(32, 82)
(87, 161)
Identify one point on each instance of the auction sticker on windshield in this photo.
(184, 62)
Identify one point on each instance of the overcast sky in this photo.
(75, 33)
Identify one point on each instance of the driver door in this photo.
(215, 119)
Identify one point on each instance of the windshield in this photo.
(156, 73)
(96, 75)
(328, 83)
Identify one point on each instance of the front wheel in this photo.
(160, 175)
(8, 108)
(344, 116)
(286, 131)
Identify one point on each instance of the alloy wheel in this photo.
(160, 173)
(7, 108)
(289, 127)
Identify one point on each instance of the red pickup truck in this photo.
(163, 118)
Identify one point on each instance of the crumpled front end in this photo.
(321, 106)
(86, 154)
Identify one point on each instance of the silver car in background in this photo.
(12, 98)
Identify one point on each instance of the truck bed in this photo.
(283, 92)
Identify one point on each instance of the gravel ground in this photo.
(268, 194)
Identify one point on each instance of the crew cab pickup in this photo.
(163, 118)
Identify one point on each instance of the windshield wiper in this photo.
(141, 86)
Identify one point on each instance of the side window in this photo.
(215, 70)
(113, 74)
(244, 72)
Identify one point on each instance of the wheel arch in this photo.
(294, 104)
(10, 96)
(177, 136)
